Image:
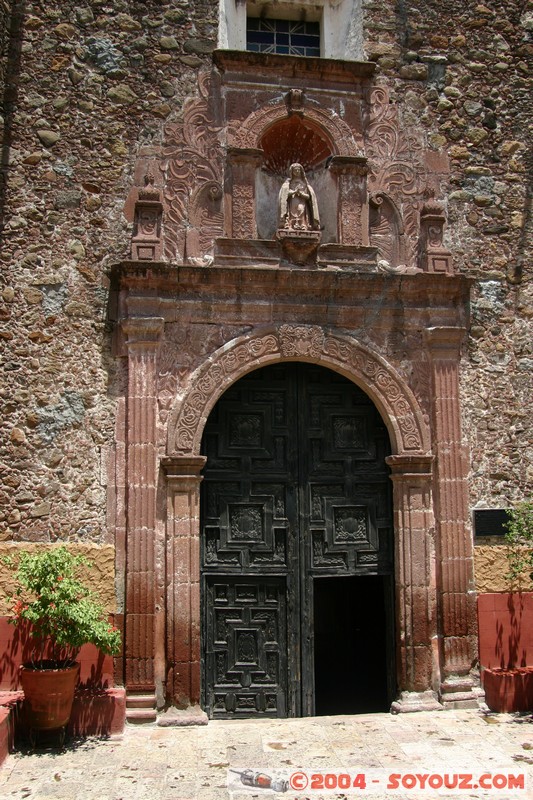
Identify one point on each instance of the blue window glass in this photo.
(261, 37)
(286, 37)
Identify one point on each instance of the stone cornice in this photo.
(353, 287)
(269, 67)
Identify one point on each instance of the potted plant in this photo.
(510, 688)
(63, 614)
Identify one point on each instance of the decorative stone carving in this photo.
(299, 221)
(432, 255)
(146, 239)
(241, 187)
(348, 142)
(396, 158)
(300, 340)
(386, 388)
(386, 229)
(206, 221)
(192, 165)
(352, 205)
(295, 101)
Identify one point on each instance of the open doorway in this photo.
(352, 644)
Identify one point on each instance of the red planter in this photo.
(48, 696)
(509, 689)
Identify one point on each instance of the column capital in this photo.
(143, 330)
(409, 467)
(444, 342)
(355, 165)
(179, 468)
(245, 155)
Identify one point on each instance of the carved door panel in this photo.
(295, 487)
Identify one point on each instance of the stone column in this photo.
(416, 603)
(142, 339)
(183, 578)
(456, 592)
(352, 206)
(241, 190)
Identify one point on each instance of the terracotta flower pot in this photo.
(48, 695)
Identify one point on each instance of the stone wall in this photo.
(90, 88)
(460, 71)
(89, 85)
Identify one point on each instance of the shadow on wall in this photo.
(16, 645)
(505, 630)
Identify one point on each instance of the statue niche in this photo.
(298, 217)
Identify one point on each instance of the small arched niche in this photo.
(288, 141)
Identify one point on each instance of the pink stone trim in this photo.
(339, 134)
(393, 398)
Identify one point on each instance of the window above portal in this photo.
(309, 28)
(283, 36)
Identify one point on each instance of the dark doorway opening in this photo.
(351, 644)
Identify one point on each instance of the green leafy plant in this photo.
(519, 538)
(63, 613)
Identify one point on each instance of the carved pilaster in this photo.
(183, 578)
(146, 244)
(433, 256)
(455, 550)
(142, 340)
(417, 659)
(241, 190)
(352, 206)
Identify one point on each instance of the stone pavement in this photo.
(191, 763)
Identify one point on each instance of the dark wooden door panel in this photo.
(246, 647)
(295, 487)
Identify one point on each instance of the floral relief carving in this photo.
(351, 215)
(396, 163)
(192, 161)
(300, 340)
(242, 223)
(394, 398)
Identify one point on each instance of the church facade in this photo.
(269, 373)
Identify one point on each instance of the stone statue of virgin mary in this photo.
(298, 208)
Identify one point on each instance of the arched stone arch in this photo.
(393, 398)
(345, 141)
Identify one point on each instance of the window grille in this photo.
(283, 36)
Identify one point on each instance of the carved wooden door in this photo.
(295, 488)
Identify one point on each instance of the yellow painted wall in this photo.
(491, 567)
(100, 575)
